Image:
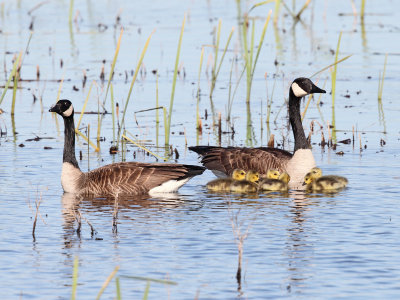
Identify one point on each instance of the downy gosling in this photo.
(224, 184)
(250, 185)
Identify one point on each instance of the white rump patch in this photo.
(298, 91)
(169, 186)
(299, 165)
(70, 178)
(69, 111)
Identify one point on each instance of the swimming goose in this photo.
(275, 184)
(222, 161)
(328, 183)
(223, 184)
(250, 185)
(124, 178)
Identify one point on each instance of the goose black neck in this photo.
(69, 141)
(300, 141)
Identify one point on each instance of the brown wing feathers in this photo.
(227, 159)
(135, 178)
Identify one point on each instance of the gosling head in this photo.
(316, 172)
(252, 176)
(63, 107)
(238, 174)
(308, 178)
(273, 174)
(284, 177)
(303, 86)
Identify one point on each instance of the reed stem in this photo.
(171, 104)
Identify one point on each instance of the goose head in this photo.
(63, 107)
(303, 86)
(308, 178)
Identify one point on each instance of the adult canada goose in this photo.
(224, 184)
(223, 160)
(250, 185)
(124, 178)
(277, 185)
(328, 183)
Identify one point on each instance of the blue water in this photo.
(298, 245)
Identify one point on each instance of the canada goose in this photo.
(124, 178)
(328, 183)
(272, 184)
(317, 173)
(223, 160)
(223, 184)
(250, 185)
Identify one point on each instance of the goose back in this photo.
(222, 161)
(134, 178)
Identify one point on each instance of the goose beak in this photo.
(54, 108)
(316, 89)
(304, 183)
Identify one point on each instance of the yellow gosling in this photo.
(317, 173)
(271, 174)
(275, 185)
(329, 183)
(223, 184)
(250, 185)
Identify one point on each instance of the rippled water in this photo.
(299, 245)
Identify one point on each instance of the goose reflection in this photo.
(78, 210)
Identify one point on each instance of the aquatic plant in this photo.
(248, 50)
(133, 82)
(215, 70)
(171, 103)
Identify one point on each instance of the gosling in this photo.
(250, 185)
(317, 173)
(279, 184)
(223, 184)
(328, 183)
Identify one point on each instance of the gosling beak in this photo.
(304, 183)
(316, 89)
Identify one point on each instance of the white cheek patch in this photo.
(68, 112)
(298, 91)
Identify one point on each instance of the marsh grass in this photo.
(231, 98)
(362, 13)
(142, 147)
(248, 49)
(382, 79)
(107, 282)
(198, 121)
(133, 82)
(215, 68)
(113, 66)
(74, 278)
(171, 103)
(380, 92)
(12, 75)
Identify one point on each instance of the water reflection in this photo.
(75, 210)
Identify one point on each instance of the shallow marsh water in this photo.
(299, 245)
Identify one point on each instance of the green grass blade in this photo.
(171, 104)
(107, 282)
(84, 105)
(146, 291)
(13, 72)
(133, 82)
(113, 65)
(335, 71)
(331, 65)
(261, 42)
(118, 288)
(74, 278)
